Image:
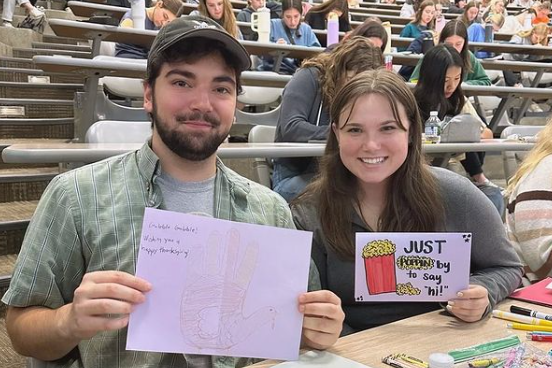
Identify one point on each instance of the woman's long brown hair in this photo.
(413, 198)
(355, 54)
(228, 20)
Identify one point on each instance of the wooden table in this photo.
(422, 335)
(86, 152)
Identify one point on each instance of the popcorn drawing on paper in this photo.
(379, 263)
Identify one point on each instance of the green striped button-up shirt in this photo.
(90, 219)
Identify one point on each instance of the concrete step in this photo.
(58, 39)
(55, 128)
(31, 75)
(61, 46)
(13, 62)
(15, 217)
(25, 184)
(61, 91)
(35, 109)
(7, 264)
(23, 52)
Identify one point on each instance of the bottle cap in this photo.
(440, 360)
(434, 113)
(333, 16)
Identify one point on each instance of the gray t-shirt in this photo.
(189, 197)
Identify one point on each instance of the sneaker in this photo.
(534, 107)
(7, 24)
(488, 183)
(35, 13)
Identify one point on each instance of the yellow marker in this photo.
(483, 363)
(521, 319)
(522, 326)
(417, 362)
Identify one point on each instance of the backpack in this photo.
(36, 24)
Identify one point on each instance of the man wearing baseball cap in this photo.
(74, 285)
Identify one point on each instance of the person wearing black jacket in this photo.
(318, 15)
(253, 5)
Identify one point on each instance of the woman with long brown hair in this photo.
(306, 100)
(317, 16)
(424, 20)
(470, 14)
(221, 12)
(373, 179)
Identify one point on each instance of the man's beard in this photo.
(191, 146)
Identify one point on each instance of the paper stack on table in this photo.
(322, 359)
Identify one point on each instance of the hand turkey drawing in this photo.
(212, 305)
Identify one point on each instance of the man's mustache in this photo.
(199, 116)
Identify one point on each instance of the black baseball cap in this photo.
(191, 26)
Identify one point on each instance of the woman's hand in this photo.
(470, 304)
(323, 318)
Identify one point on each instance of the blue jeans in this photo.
(495, 195)
(291, 186)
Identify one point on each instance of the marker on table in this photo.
(530, 313)
(483, 363)
(543, 338)
(521, 318)
(522, 326)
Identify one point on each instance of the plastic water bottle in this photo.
(389, 62)
(138, 13)
(432, 128)
(333, 29)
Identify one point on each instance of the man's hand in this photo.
(470, 304)
(102, 302)
(323, 319)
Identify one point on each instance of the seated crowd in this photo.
(74, 285)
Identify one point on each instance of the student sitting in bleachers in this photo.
(408, 10)
(8, 9)
(440, 20)
(372, 178)
(496, 7)
(519, 22)
(318, 15)
(157, 16)
(252, 5)
(290, 31)
(455, 34)
(221, 12)
(529, 210)
(538, 35)
(439, 89)
(543, 12)
(471, 13)
(476, 32)
(425, 19)
(457, 7)
(305, 104)
(371, 29)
